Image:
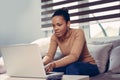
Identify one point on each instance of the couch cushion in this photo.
(114, 40)
(43, 44)
(2, 67)
(100, 53)
(106, 76)
(115, 60)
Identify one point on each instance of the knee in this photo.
(71, 69)
(71, 66)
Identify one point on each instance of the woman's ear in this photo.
(68, 24)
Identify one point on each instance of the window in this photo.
(99, 18)
(106, 28)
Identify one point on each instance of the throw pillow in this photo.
(115, 60)
(43, 44)
(58, 55)
(2, 68)
(100, 53)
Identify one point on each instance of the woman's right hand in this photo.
(46, 60)
(49, 67)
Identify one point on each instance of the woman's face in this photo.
(60, 26)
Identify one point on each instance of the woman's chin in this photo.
(58, 35)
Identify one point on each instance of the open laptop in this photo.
(25, 61)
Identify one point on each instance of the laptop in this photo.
(25, 61)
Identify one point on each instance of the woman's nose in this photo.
(56, 28)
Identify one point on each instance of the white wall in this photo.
(19, 21)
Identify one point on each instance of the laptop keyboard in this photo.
(48, 73)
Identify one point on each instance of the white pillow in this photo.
(115, 60)
(43, 44)
(100, 53)
(2, 68)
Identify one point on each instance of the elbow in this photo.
(75, 57)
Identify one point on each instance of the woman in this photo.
(77, 59)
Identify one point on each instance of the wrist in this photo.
(54, 65)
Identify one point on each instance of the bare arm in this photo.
(51, 52)
(46, 60)
(64, 61)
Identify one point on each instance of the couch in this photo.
(106, 52)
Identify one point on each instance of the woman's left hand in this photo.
(49, 67)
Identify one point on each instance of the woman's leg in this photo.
(61, 69)
(82, 68)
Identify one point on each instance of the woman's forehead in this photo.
(58, 19)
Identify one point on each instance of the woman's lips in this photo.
(57, 33)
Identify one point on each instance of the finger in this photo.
(49, 70)
(46, 69)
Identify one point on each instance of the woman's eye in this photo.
(59, 24)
